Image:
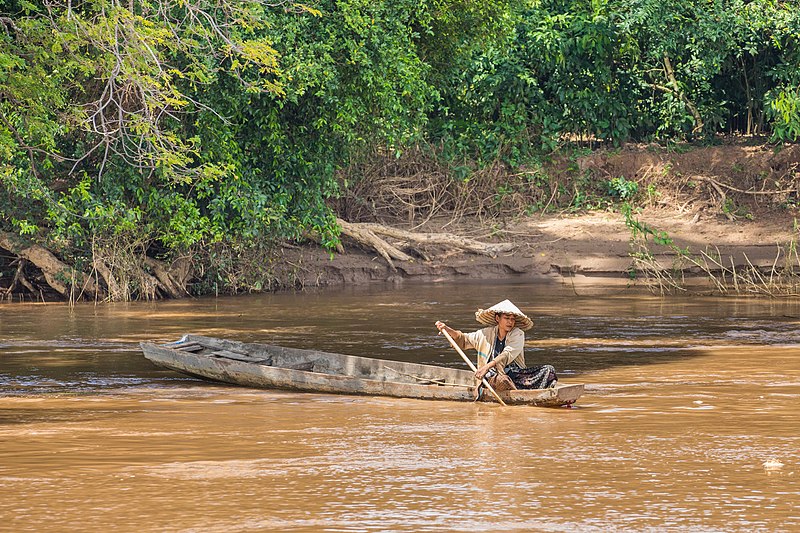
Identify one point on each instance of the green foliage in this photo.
(616, 70)
(622, 188)
(200, 126)
(95, 98)
(643, 231)
(784, 110)
(185, 124)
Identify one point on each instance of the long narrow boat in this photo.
(277, 367)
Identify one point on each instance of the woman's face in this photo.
(506, 321)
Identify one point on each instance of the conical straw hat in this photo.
(486, 316)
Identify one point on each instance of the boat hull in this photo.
(275, 367)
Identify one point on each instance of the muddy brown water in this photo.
(686, 400)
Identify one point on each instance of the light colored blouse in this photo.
(483, 342)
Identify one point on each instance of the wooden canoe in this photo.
(277, 367)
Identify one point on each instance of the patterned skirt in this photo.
(533, 377)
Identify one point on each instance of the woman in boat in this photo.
(500, 349)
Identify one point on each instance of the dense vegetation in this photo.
(158, 145)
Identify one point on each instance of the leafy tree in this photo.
(171, 127)
(782, 95)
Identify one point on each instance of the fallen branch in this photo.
(719, 185)
(367, 234)
(368, 238)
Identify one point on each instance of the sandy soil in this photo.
(696, 189)
(589, 248)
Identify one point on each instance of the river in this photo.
(686, 401)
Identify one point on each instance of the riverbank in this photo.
(592, 248)
(732, 205)
(736, 202)
(723, 209)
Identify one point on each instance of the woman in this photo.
(500, 349)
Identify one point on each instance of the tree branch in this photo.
(367, 234)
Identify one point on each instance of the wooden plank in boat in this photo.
(307, 366)
(189, 347)
(227, 354)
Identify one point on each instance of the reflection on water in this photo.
(686, 400)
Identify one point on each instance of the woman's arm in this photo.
(485, 368)
(462, 340)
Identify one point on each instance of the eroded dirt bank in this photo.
(736, 201)
(591, 248)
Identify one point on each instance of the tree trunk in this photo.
(675, 89)
(70, 283)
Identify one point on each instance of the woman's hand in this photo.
(441, 326)
(481, 372)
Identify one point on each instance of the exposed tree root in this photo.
(18, 279)
(172, 279)
(367, 235)
(719, 185)
(70, 283)
(130, 274)
(120, 273)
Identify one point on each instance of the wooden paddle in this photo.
(465, 358)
